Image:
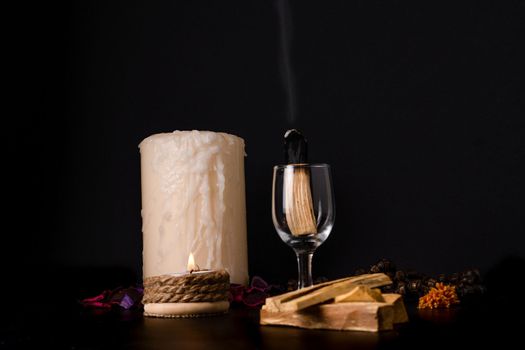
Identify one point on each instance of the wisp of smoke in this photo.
(288, 79)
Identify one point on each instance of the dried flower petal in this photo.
(127, 302)
(440, 296)
(97, 298)
(255, 298)
(253, 295)
(259, 283)
(236, 293)
(123, 297)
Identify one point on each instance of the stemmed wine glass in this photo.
(303, 211)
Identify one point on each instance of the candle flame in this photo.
(191, 264)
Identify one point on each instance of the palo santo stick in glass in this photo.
(298, 203)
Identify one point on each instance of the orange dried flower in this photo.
(440, 296)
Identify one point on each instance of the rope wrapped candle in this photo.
(191, 294)
(193, 202)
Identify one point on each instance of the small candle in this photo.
(193, 293)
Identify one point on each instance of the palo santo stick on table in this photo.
(273, 302)
(361, 293)
(304, 298)
(396, 300)
(298, 203)
(353, 316)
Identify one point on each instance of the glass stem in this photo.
(304, 262)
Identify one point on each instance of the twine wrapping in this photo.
(190, 288)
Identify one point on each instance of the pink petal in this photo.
(259, 283)
(99, 297)
(127, 302)
(97, 304)
(236, 293)
(254, 299)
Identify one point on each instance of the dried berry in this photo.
(473, 276)
(414, 285)
(400, 275)
(388, 265)
(468, 280)
(375, 269)
(430, 282)
(401, 289)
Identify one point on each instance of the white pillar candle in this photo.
(193, 201)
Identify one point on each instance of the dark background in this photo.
(418, 107)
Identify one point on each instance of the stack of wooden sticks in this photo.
(350, 303)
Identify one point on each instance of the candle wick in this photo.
(197, 268)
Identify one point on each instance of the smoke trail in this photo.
(288, 79)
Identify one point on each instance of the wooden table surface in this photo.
(72, 327)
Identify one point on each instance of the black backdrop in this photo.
(418, 107)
